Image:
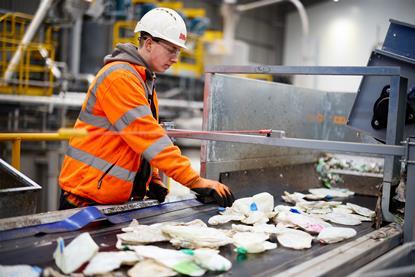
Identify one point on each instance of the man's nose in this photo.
(175, 59)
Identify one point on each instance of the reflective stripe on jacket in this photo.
(103, 165)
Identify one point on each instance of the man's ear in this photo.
(148, 44)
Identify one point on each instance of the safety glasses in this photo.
(172, 51)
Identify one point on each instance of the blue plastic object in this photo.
(86, 216)
(295, 211)
(328, 197)
(72, 223)
(253, 207)
(221, 209)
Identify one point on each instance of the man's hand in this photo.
(221, 193)
(156, 189)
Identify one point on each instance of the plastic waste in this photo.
(222, 219)
(19, 270)
(143, 235)
(362, 218)
(257, 228)
(253, 242)
(311, 196)
(264, 202)
(309, 205)
(255, 217)
(335, 234)
(104, 262)
(211, 260)
(150, 268)
(176, 260)
(342, 209)
(196, 237)
(284, 208)
(333, 192)
(80, 250)
(308, 223)
(293, 198)
(361, 210)
(344, 219)
(242, 206)
(294, 239)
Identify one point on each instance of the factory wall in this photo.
(341, 34)
(23, 6)
(261, 30)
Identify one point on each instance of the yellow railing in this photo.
(123, 32)
(191, 61)
(62, 134)
(32, 75)
(17, 138)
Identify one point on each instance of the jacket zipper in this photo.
(103, 175)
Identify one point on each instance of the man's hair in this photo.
(142, 38)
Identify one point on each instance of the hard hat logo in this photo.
(165, 24)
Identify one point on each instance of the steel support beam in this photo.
(307, 70)
(326, 145)
(394, 136)
(409, 226)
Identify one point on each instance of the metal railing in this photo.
(33, 75)
(17, 138)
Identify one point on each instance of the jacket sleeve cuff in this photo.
(190, 178)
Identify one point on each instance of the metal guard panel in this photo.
(246, 104)
(369, 91)
(400, 39)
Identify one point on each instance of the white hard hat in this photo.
(164, 23)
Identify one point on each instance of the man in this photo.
(120, 159)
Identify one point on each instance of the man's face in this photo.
(163, 55)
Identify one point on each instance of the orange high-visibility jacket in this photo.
(117, 113)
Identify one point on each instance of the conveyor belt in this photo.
(37, 250)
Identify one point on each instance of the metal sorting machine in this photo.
(17, 192)
(309, 122)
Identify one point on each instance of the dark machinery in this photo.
(374, 91)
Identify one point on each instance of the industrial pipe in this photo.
(296, 3)
(27, 38)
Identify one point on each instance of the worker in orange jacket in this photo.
(122, 160)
